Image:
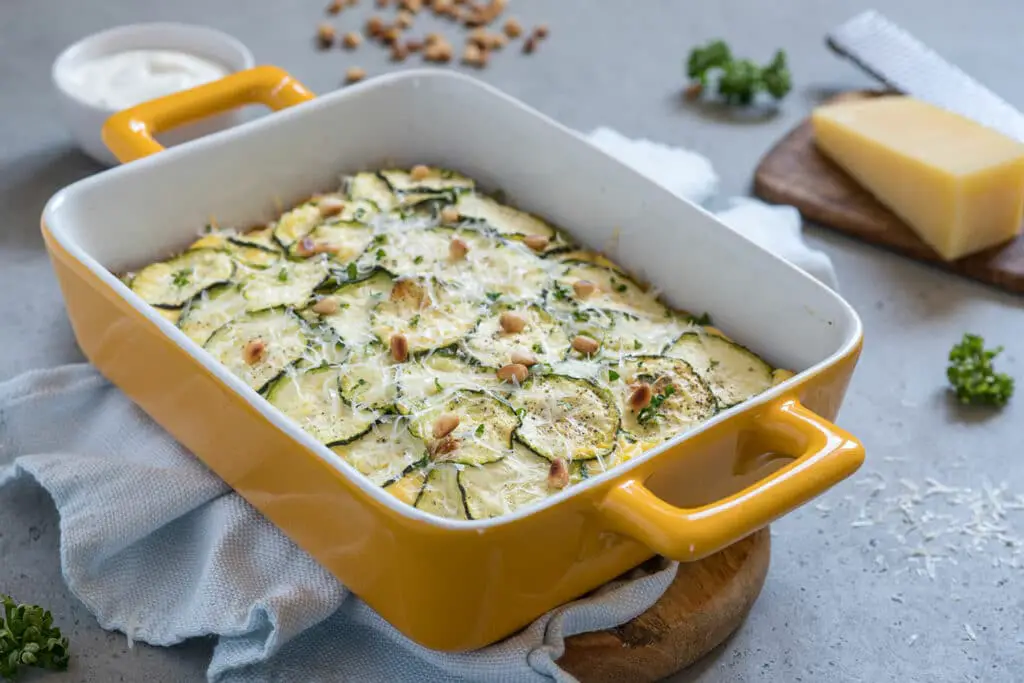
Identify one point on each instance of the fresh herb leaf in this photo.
(737, 81)
(28, 638)
(560, 293)
(181, 277)
(437, 386)
(381, 254)
(704, 319)
(538, 348)
(493, 296)
(612, 376)
(418, 260)
(621, 287)
(379, 239)
(972, 376)
(415, 321)
(282, 275)
(479, 430)
(581, 316)
(637, 345)
(650, 413)
(361, 382)
(352, 271)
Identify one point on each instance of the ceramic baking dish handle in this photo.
(129, 133)
(824, 455)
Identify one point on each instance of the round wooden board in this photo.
(707, 602)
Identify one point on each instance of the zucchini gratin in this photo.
(460, 353)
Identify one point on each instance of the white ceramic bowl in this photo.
(86, 120)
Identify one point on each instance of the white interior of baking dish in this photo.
(143, 211)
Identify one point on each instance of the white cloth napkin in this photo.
(690, 175)
(159, 548)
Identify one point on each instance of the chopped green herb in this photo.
(479, 430)
(581, 316)
(621, 287)
(560, 293)
(381, 254)
(352, 271)
(415, 321)
(612, 375)
(379, 239)
(538, 348)
(361, 382)
(418, 260)
(520, 412)
(972, 376)
(359, 214)
(437, 385)
(29, 638)
(493, 296)
(181, 277)
(637, 345)
(650, 413)
(704, 319)
(282, 275)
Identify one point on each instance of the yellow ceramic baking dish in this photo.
(447, 584)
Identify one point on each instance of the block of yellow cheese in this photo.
(959, 185)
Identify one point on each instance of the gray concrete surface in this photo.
(844, 601)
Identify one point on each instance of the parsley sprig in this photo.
(28, 638)
(738, 80)
(972, 376)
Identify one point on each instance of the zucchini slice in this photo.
(542, 336)
(423, 251)
(280, 330)
(245, 254)
(626, 334)
(507, 221)
(425, 379)
(437, 181)
(343, 241)
(288, 283)
(170, 283)
(261, 238)
(440, 495)
(733, 372)
(507, 269)
(484, 432)
(372, 188)
(385, 454)
(566, 417)
(370, 379)
(615, 292)
(210, 309)
(681, 399)
(311, 399)
(355, 300)
(296, 224)
(437, 320)
(324, 348)
(407, 489)
(499, 488)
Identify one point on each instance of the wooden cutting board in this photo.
(795, 173)
(707, 602)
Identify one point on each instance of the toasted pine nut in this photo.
(374, 26)
(584, 288)
(351, 40)
(513, 29)
(404, 19)
(641, 396)
(391, 35)
(398, 52)
(413, 6)
(457, 249)
(513, 373)
(449, 215)
(442, 447)
(537, 242)
(445, 424)
(399, 348)
(585, 345)
(325, 35)
(419, 172)
(405, 288)
(330, 206)
(325, 306)
(541, 31)
(354, 74)
(523, 358)
(334, 7)
(558, 474)
(414, 45)
(382, 3)
(254, 351)
(512, 322)
(530, 45)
